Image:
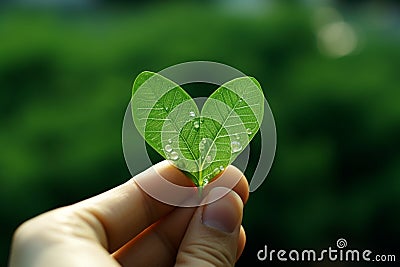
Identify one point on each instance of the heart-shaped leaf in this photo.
(200, 144)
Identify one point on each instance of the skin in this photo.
(126, 227)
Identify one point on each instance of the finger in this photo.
(213, 234)
(163, 237)
(166, 236)
(126, 210)
(160, 238)
(231, 176)
(58, 238)
(241, 243)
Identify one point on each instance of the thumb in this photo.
(212, 236)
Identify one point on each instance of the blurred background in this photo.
(329, 69)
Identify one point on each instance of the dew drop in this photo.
(236, 146)
(166, 108)
(169, 141)
(174, 155)
(237, 137)
(205, 181)
(221, 168)
(240, 100)
(196, 124)
(192, 114)
(201, 146)
(168, 148)
(249, 131)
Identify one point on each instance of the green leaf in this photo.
(201, 145)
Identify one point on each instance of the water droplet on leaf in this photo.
(249, 131)
(174, 155)
(196, 124)
(221, 168)
(202, 144)
(168, 148)
(236, 146)
(201, 147)
(170, 141)
(192, 114)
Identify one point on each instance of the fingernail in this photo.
(224, 214)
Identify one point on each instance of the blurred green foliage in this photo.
(66, 77)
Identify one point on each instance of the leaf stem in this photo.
(201, 178)
(200, 192)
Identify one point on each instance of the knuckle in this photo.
(56, 225)
(26, 234)
(45, 227)
(22, 232)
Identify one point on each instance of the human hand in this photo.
(126, 227)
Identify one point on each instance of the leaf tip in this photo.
(257, 83)
(140, 79)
